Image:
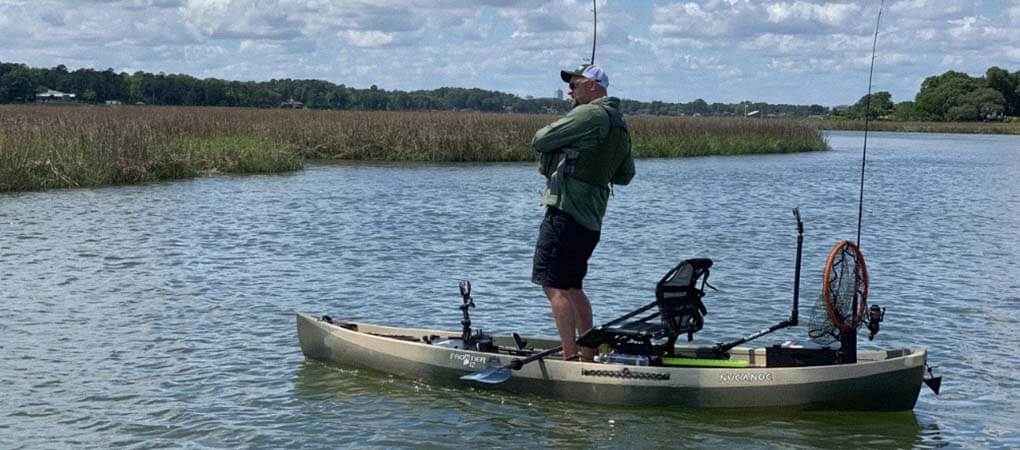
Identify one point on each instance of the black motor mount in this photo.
(479, 341)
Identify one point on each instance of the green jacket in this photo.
(603, 149)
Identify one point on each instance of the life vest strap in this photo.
(564, 168)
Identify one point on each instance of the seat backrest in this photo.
(678, 297)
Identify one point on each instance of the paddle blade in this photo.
(491, 375)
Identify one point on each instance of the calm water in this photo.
(162, 315)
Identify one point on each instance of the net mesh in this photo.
(845, 282)
(821, 330)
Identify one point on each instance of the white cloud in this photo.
(926, 35)
(745, 18)
(795, 51)
(799, 14)
(370, 38)
(226, 19)
(931, 9)
(952, 60)
(205, 16)
(1013, 55)
(252, 46)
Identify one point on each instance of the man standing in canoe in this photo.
(581, 156)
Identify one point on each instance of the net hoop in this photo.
(862, 304)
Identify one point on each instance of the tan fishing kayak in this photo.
(877, 381)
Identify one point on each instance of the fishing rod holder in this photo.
(794, 315)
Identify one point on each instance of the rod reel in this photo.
(876, 314)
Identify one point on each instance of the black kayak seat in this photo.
(679, 310)
(679, 297)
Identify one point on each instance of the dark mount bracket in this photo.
(478, 341)
(521, 343)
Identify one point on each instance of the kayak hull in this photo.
(879, 381)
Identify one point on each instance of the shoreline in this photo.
(993, 128)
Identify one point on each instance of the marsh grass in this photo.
(58, 147)
(675, 137)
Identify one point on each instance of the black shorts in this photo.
(562, 251)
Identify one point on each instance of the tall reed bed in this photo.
(55, 147)
(696, 136)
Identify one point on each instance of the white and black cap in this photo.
(589, 71)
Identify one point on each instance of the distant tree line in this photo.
(700, 107)
(952, 96)
(20, 84)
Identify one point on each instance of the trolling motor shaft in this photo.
(465, 322)
(478, 341)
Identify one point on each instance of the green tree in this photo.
(981, 104)
(1001, 81)
(962, 113)
(941, 93)
(1016, 92)
(904, 111)
(989, 102)
(214, 92)
(881, 105)
(698, 106)
(18, 84)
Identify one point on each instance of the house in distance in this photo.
(51, 96)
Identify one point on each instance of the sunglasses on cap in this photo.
(575, 83)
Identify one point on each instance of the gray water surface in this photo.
(162, 315)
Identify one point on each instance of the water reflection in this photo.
(500, 418)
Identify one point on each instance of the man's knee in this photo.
(556, 294)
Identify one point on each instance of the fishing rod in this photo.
(595, 28)
(867, 117)
(846, 260)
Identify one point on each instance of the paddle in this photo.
(499, 374)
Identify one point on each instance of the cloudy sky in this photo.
(794, 51)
